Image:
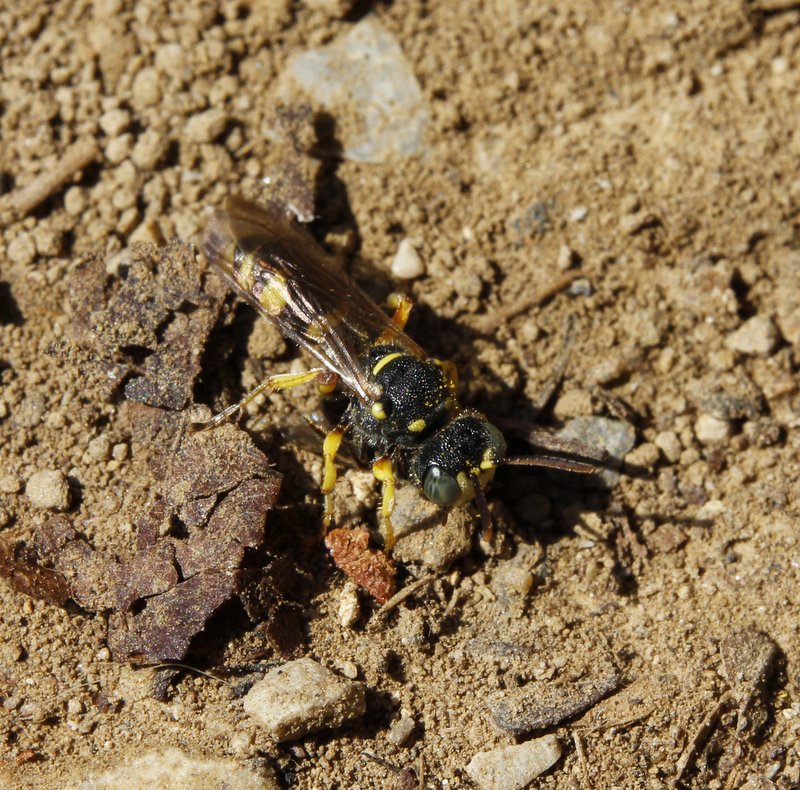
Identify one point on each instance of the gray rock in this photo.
(364, 76)
(301, 697)
(616, 437)
(514, 767)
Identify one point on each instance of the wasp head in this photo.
(465, 450)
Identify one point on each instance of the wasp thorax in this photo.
(449, 462)
(414, 396)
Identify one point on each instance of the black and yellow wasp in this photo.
(402, 404)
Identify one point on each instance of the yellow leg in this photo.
(280, 381)
(329, 449)
(382, 469)
(401, 305)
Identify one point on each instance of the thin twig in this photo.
(488, 323)
(401, 596)
(579, 750)
(75, 158)
(698, 739)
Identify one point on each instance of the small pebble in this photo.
(755, 337)
(119, 148)
(407, 263)
(349, 606)
(348, 668)
(631, 224)
(302, 696)
(48, 241)
(48, 489)
(566, 258)
(514, 767)
(401, 731)
(578, 214)
(149, 148)
(115, 122)
(99, 448)
(22, 250)
(669, 444)
(206, 126)
(173, 768)
(645, 456)
(580, 287)
(74, 201)
(711, 430)
(146, 88)
(711, 509)
(10, 484)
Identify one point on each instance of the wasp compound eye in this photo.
(440, 487)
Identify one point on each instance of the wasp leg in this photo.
(401, 305)
(329, 449)
(280, 381)
(382, 469)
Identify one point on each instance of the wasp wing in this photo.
(279, 269)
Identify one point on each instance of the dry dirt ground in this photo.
(648, 149)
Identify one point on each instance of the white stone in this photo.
(407, 263)
(514, 767)
(175, 769)
(710, 430)
(349, 606)
(302, 696)
(755, 337)
(48, 489)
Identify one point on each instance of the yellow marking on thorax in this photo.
(385, 360)
(378, 411)
(417, 425)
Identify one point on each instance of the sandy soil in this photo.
(650, 148)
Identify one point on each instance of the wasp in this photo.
(402, 405)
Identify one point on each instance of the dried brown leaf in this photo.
(21, 566)
(368, 568)
(164, 628)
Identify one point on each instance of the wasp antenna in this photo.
(487, 525)
(552, 462)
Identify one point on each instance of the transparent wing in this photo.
(277, 267)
